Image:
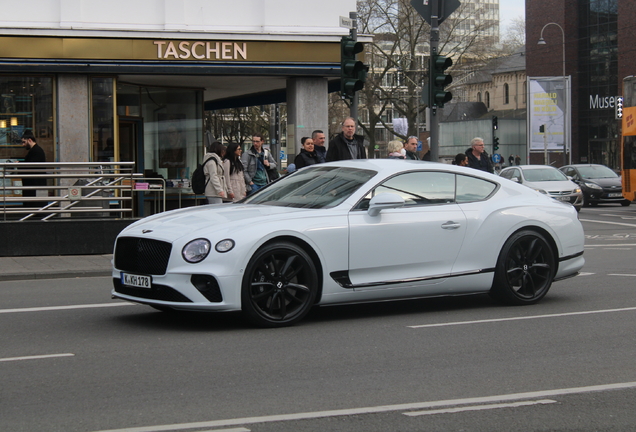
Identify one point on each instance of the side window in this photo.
(421, 188)
(507, 174)
(471, 189)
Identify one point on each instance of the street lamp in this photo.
(565, 89)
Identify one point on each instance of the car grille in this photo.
(561, 193)
(139, 255)
(156, 292)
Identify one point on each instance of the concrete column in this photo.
(307, 111)
(73, 111)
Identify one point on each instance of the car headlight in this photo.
(540, 190)
(592, 185)
(577, 190)
(196, 250)
(224, 245)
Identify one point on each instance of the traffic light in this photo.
(353, 73)
(618, 108)
(495, 143)
(542, 129)
(494, 123)
(439, 80)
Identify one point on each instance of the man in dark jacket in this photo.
(34, 154)
(477, 156)
(346, 145)
(318, 137)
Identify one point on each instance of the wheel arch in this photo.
(309, 250)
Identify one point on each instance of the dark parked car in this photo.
(599, 184)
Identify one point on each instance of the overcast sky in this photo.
(509, 9)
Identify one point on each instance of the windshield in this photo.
(319, 187)
(544, 174)
(596, 172)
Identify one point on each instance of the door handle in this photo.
(450, 225)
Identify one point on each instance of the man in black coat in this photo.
(346, 145)
(35, 154)
(477, 156)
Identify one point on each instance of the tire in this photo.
(525, 269)
(279, 286)
(625, 203)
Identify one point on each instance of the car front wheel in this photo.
(525, 269)
(279, 286)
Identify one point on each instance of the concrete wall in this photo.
(73, 122)
(306, 111)
(264, 18)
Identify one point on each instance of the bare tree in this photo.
(515, 36)
(398, 57)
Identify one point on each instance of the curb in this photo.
(63, 274)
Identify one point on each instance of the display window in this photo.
(26, 103)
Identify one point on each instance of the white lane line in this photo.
(608, 223)
(379, 409)
(52, 308)
(611, 245)
(226, 430)
(616, 274)
(37, 357)
(479, 408)
(586, 274)
(523, 318)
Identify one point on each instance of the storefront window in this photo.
(173, 131)
(26, 103)
(102, 117)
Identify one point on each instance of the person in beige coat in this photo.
(215, 179)
(233, 167)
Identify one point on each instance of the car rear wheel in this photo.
(525, 269)
(279, 286)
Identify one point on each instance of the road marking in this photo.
(522, 318)
(611, 245)
(479, 408)
(37, 357)
(616, 274)
(585, 274)
(380, 409)
(609, 223)
(51, 308)
(618, 216)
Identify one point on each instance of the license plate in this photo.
(614, 195)
(138, 281)
(563, 198)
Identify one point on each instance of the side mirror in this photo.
(384, 201)
(516, 179)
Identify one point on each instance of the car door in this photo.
(416, 244)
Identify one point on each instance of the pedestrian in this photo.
(234, 172)
(346, 145)
(215, 183)
(319, 145)
(460, 159)
(511, 160)
(477, 156)
(518, 160)
(257, 161)
(307, 155)
(394, 148)
(35, 154)
(410, 147)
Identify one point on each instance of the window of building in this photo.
(478, 96)
(27, 105)
(506, 90)
(487, 101)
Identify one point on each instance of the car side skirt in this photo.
(342, 279)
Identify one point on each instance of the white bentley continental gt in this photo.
(352, 231)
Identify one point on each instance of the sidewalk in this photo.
(50, 267)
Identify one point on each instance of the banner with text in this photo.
(549, 106)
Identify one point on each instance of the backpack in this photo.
(198, 181)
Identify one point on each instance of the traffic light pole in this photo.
(353, 109)
(434, 42)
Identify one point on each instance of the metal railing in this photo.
(74, 188)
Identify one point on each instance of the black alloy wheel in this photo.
(525, 269)
(279, 286)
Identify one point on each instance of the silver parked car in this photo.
(547, 180)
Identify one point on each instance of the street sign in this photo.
(346, 22)
(445, 8)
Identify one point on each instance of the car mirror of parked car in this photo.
(384, 201)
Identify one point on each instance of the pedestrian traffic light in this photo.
(353, 73)
(495, 143)
(439, 80)
(541, 128)
(494, 123)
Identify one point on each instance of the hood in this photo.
(606, 182)
(564, 185)
(174, 224)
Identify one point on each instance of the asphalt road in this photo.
(72, 359)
